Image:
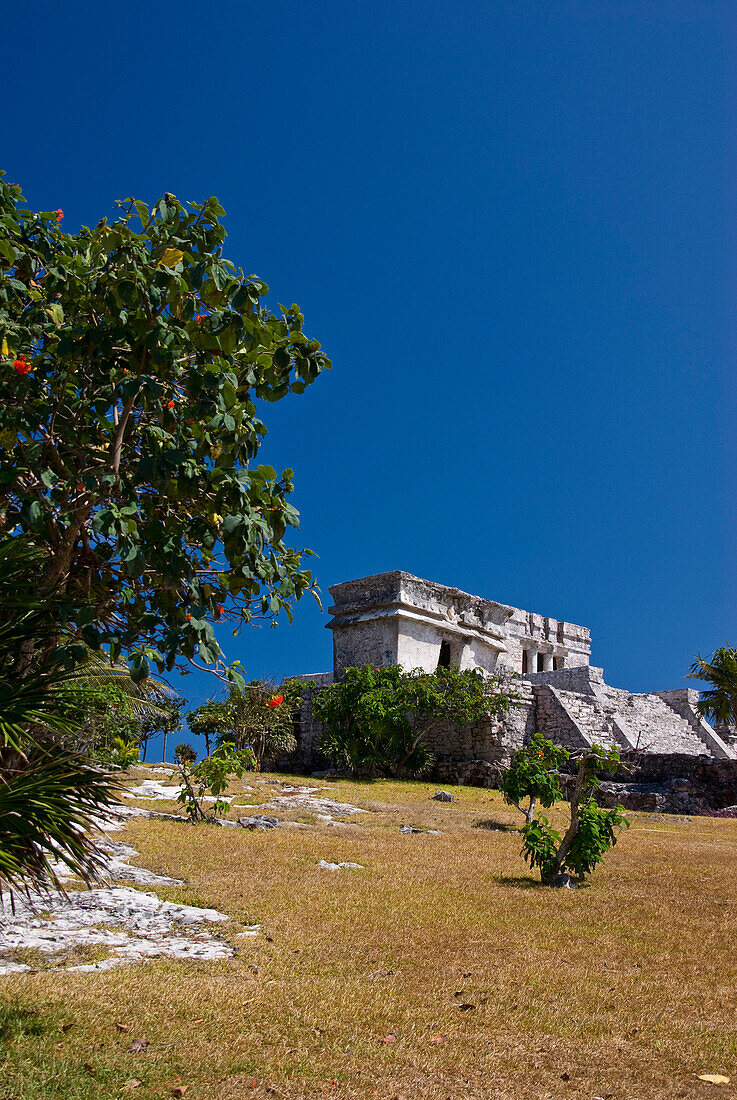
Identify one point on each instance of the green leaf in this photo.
(139, 668)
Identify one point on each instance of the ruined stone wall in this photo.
(554, 720)
(308, 757)
(468, 754)
(373, 641)
(672, 783)
(582, 678)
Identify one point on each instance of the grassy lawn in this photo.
(441, 969)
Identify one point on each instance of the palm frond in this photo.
(47, 815)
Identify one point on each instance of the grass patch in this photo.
(357, 982)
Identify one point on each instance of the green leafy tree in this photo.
(259, 716)
(533, 775)
(131, 358)
(167, 720)
(206, 721)
(212, 774)
(185, 753)
(377, 720)
(718, 702)
(592, 829)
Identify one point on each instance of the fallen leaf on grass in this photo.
(132, 1084)
(438, 1039)
(713, 1078)
(123, 1027)
(390, 1038)
(179, 1090)
(137, 1046)
(466, 1006)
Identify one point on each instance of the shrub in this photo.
(212, 774)
(592, 830)
(377, 720)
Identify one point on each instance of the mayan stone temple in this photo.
(396, 618)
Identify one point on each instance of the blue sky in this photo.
(511, 226)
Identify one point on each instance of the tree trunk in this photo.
(572, 830)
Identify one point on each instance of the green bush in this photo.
(377, 720)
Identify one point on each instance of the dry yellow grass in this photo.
(624, 989)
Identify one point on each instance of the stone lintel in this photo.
(491, 637)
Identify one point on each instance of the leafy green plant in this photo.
(718, 702)
(185, 753)
(258, 716)
(533, 774)
(131, 357)
(592, 829)
(377, 720)
(48, 805)
(212, 775)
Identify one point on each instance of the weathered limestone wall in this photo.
(468, 754)
(373, 641)
(479, 633)
(583, 678)
(552, 641)
(308, 758)
(672, 783)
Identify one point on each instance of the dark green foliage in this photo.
(49, 795)
(258, 716)
(46, 806)
(376, 720)
(131, 357)
(533, 774)
(184, 753)
(718, 702)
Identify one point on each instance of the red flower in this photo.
(170, 404)
(59, 214)
(275, 702)
(188, 617)
(219, 610)
(21, 365)
(201, 317)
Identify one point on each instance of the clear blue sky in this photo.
(512, 227)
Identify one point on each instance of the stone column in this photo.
(547, 662)
(532, 660)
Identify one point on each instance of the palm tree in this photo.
(51, 797)
(720, 700)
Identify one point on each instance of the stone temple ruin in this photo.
(396, 618)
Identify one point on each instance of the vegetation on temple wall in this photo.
(377, 719)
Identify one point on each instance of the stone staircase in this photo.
(613, 717)
(650, 725)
